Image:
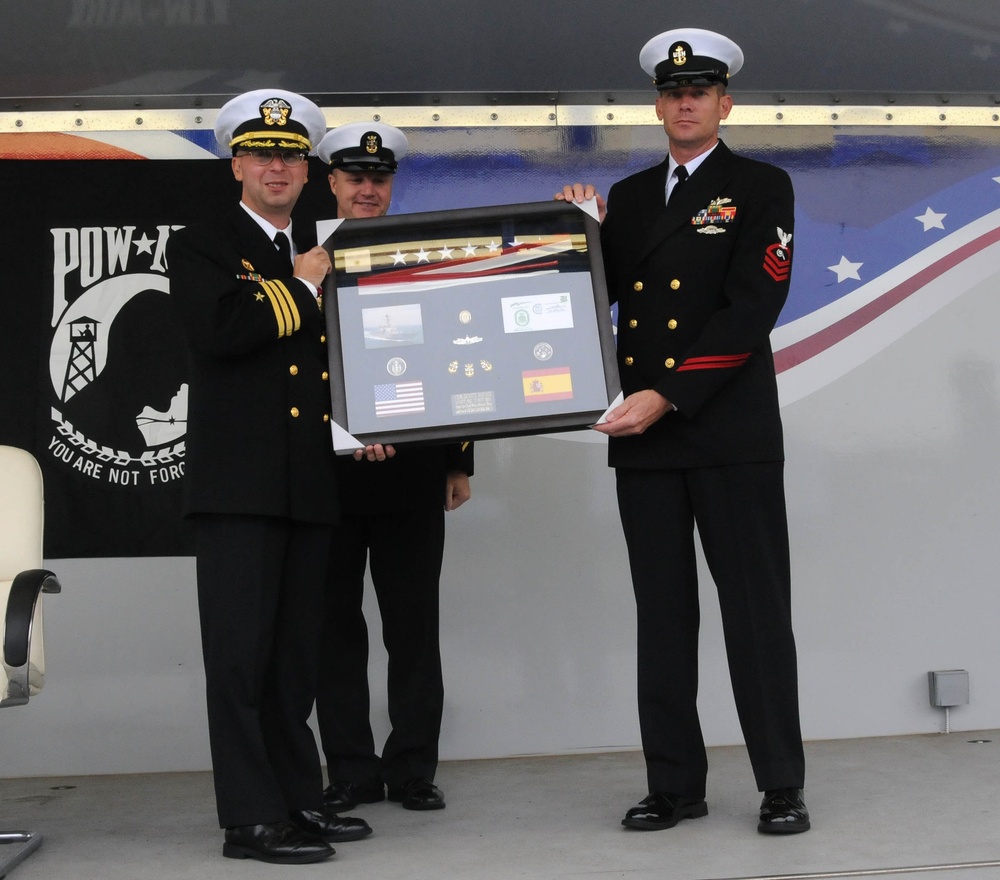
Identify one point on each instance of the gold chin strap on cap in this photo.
(265, 140)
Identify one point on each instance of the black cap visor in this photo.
(669, 76)
(364, 163)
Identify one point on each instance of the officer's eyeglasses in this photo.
(266, 157)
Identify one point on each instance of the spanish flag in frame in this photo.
(552, 383)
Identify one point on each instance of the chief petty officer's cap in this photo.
(269, 119)
(690, 57)
(363, 146)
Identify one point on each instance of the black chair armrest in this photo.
(24, 592)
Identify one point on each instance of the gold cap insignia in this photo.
(275, 111)
(679, 55)
(373, 143)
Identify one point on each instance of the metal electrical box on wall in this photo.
(948, 687)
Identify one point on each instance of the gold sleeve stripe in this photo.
(274, 305)
(286, 312)
(291, 309)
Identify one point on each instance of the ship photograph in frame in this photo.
(467, 324)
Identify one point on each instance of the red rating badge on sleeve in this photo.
(778, 257)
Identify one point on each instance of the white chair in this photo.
(22, 582)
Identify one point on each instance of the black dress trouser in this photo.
(260, 583)
(403, 550)
(741, 520)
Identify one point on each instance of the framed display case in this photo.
(467, 324)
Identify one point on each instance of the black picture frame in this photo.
(468, 324)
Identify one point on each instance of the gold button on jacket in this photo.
(637, 286)
(295, 412)
(294, 370)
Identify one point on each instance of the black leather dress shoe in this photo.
(329, 826)
(418, 794)
(340, 795)
(783, 812)
(661, 810)
(280, 843)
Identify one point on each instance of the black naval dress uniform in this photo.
(259, 480)
(393, 520)
(699, 285)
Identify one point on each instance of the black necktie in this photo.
(284, 246)
(681, 173)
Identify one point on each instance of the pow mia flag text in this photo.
(92, 362)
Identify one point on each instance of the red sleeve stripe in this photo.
(718, 362)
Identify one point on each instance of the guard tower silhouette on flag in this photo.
(81, 368)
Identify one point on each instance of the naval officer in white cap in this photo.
(697, 254)
(259, 472)
(393, 522)
(363, 157)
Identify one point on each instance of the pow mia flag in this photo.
(93, 367)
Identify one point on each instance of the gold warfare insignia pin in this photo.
(372, 143)
(247, 265)
(679, 55)
(275, 111)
